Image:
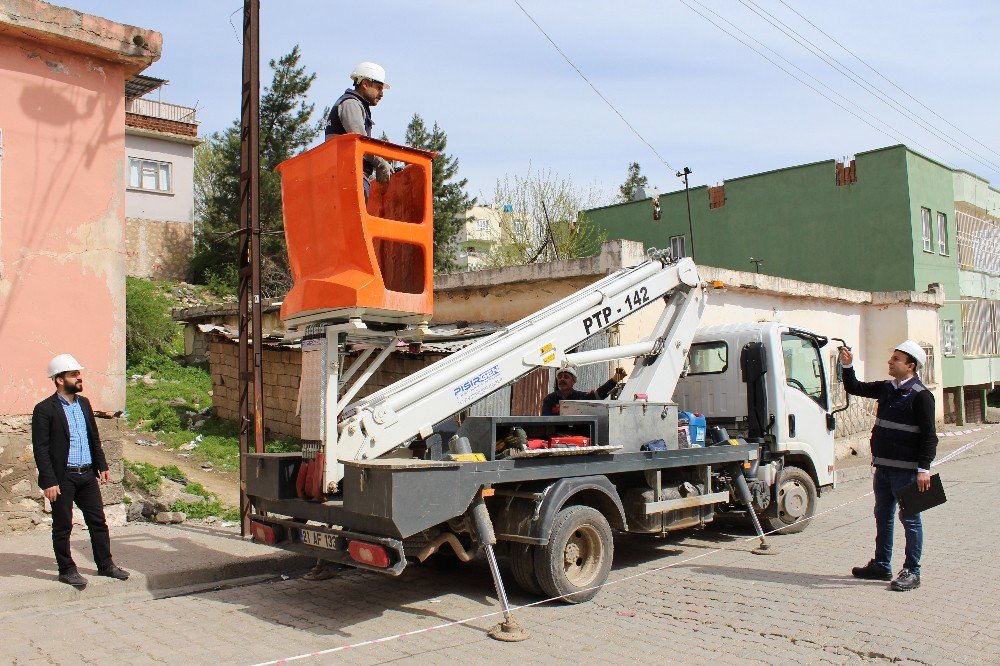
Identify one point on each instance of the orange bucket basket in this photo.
(350, 259)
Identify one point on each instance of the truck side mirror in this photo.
(753, 362)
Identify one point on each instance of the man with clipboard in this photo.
(903, 443)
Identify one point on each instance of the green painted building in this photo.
(890, 220)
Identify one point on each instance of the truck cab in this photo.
(767, 382)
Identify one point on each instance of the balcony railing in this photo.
(162, 110)
(978, 243)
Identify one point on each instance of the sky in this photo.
(511, 104)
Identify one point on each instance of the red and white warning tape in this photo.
(956, 433)
(385, 639)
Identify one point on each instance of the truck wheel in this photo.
(793, 503)
(522, 565)
(577, 556)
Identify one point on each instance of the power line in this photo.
(786, 71)
(848, 73)
(891, 129)
(886, 79)
(593, 87)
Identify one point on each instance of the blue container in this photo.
(696, 424)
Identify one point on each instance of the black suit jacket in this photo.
(50, 440)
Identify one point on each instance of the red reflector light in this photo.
(368, 553)
(264, 533)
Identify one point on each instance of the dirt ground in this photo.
(226, 485)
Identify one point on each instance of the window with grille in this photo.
(942, 231)
(150, 175)
(927, 373)
(978, 327)
(947, 337)
(925, 222)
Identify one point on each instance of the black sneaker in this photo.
(113, 572)
(872, 571)
(905, 581)
(73, 578)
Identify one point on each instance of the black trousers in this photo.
(82, 489)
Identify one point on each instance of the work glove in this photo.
(383, 171)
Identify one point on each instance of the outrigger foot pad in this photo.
(509, 632)
(764, 549)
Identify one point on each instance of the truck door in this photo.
(806, 403)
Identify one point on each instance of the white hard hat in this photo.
(63, 363)
(568, 370)
(913, 349)
(371, 71)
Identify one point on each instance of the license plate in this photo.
(321, 539)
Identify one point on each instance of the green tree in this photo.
(541, 219)
(633, 182)
(285, 130)
(450, 198)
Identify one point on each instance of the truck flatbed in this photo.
(397, 497)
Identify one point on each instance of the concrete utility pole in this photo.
(687, 195)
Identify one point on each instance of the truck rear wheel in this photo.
(522, 565)
(794, 502)
(578, 555)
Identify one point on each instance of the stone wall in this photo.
(158, 250)
(283, 403)
(22, 505)
(160, 125)
(282, 372)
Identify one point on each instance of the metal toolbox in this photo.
(272, 475)
(628, 424)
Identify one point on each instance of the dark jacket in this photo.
(904, 422)
(333, 125)
(50, 440)
(550, 404)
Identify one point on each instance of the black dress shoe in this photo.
(73, 578)
(872, 571)
(113, 572)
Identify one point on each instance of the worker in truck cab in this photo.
(566, 380)
(903, 443)
(351, 114)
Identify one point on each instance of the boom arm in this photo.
(382, 421)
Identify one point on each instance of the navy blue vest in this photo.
(333, 125)
(896, 437)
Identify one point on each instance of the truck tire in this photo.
(578, 555)
(793, 503)
(522, 565)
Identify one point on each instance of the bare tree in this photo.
(541, 219)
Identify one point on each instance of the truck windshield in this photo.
(804, 367)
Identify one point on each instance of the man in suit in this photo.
(70, 465)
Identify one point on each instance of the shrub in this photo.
(149, 476)
(222, 280)
(149, 330)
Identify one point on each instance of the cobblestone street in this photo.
(726, 606)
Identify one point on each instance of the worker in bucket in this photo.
(351, 114)
(71, 468)
(903, 443)
(565, 383)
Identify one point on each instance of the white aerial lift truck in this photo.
(399, 484)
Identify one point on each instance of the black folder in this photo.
(912, 500)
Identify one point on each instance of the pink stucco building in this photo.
(62, 214)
